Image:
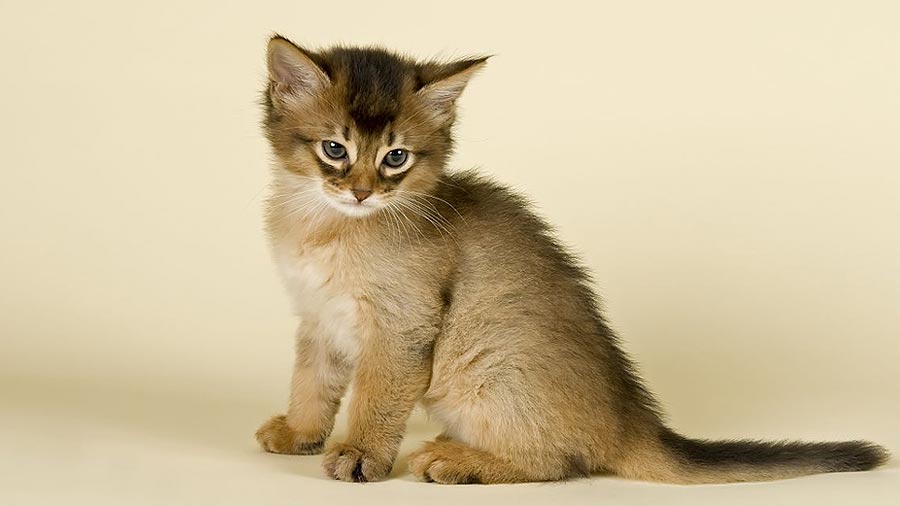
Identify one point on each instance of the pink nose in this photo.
(361, 194)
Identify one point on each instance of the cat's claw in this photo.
(348, 463)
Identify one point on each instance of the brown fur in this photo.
(451, 293)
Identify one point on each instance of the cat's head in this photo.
(358, 128)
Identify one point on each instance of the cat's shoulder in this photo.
(473, 192)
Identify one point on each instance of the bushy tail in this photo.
(674, 458)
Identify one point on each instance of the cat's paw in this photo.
(443, 462)
(348, 463)
(276, 437)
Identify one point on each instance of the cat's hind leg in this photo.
(453, 462)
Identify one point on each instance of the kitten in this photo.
(419, 285)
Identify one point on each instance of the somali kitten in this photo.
(420, 285)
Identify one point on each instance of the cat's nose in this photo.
(361, 194)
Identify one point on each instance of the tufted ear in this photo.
(444, 83)
(292, 72)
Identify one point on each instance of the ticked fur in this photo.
(421, 286)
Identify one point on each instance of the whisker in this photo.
(412, 223)
(392, 212)
(424, 213)
(451, 206)
(315, 206)
(431, 211)
(298, 211)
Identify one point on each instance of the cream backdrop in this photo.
(730, 171)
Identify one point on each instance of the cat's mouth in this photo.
(352, 207)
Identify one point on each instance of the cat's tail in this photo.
(672, 458)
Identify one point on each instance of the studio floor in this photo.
(98, 444)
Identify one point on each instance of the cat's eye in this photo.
(334, 150)
(396, 158)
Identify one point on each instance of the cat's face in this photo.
(359, 130)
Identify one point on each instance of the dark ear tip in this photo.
(479, 60)
(482, 58)
(277, 38)
(477, 63)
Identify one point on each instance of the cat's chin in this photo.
(354, 210)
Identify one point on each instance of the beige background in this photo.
(729, 170)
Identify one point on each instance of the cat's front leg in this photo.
(319, 381)
(392, 374)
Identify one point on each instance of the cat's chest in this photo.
(323, 290)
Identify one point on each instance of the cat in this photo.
(423, 286)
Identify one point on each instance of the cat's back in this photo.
(518, 302)
(499, 232)
(510, 264)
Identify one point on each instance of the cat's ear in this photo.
(292, 72)
(444, 83)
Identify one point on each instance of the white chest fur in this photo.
(321, 296)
